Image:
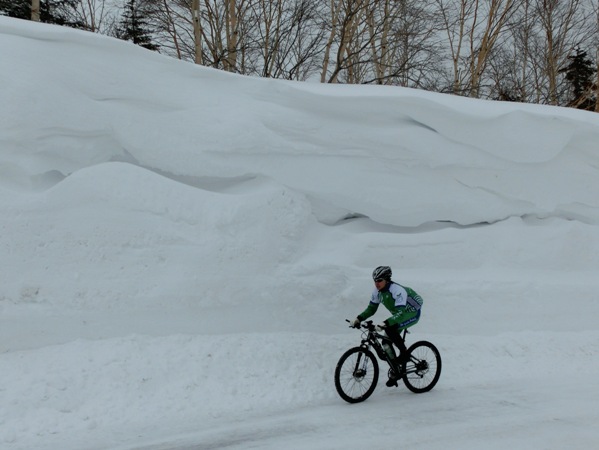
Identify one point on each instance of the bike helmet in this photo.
(382, 272)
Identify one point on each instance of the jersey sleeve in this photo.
(371, 308)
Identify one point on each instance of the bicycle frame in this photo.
(370, 338)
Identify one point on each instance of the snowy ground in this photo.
(181, 247)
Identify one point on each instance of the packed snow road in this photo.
(532, 391)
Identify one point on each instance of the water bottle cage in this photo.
(388, 348)
(380, 352)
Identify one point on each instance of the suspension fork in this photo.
(359, 371)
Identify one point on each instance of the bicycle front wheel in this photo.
(356, 374)
(423, 368)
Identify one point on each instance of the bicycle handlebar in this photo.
(367, 324)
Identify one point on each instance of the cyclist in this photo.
(403, 303)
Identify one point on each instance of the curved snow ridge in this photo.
(146, 236)
(515, 136)
(125, 186)
(46, 156)
(579, 213)
(477, 126)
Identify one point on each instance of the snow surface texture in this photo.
(181, 247)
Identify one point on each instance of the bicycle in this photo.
(357, 371)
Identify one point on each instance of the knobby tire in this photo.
(356, 375)
(424, 368)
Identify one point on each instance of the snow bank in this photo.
(180, 248)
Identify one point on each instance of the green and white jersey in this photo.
(402, 302)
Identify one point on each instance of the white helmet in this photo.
(382, 273)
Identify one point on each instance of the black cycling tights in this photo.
(393, 333)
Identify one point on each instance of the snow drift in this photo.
(181, 245)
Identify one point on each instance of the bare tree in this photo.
(523, 32)
(204, 31)
(473, 29)
(231, 34)
(504, 49)
(527, 78)
(221, 32)
(413, 45)
(335, 11)
(302, 42)
(171, 21)
(564, 25)
(283, 39)
(495, 16)
(35, 10)
(96, 15)
(355, 38)
(270, 16)
(171, 29)
(197, 31)
(455, 18)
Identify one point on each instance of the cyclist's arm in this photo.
(371, 308)
(397, 316)
(368, 312)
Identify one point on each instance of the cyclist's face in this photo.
(380, 283)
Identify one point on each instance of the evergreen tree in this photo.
(20, 9)
(580, 74)
(133, 26)
(51, 11)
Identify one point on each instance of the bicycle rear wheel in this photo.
(423, 368)
(356, 374)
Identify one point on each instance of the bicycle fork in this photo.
(360, 368)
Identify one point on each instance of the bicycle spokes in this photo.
(424, 368)
(356, 375)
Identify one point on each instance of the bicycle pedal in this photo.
(391, 382)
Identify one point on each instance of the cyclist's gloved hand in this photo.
(356, 323)
(381, 327)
